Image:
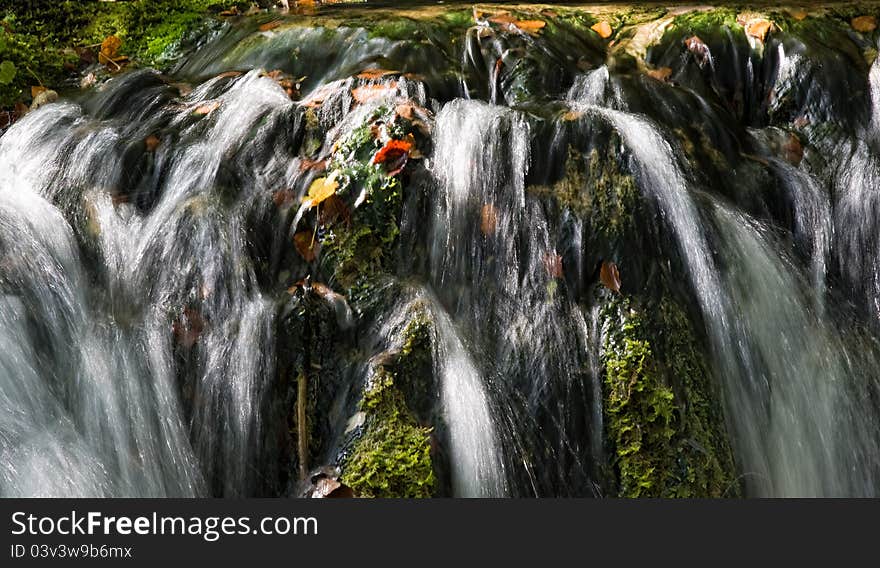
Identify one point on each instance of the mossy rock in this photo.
(667, 435)
(392, 458)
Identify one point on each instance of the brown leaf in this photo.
(553, 264)
(610, 277)
(603, 29)
(304, 244)
(36, 90)
(334, 210)
(572, 115)
(798, 15)
(696, 46)
(207, 108)
(661, 73)
(152, 142)
(228, 74)
(366, 93)
(502, 18)
(864, 24)
(306, 164)
(488, 219)
(270, 25)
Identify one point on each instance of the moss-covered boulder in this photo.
(664, 427)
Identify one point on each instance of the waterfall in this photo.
(158, 297)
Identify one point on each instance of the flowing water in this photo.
(143, 291)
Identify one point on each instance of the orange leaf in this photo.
(532, 27)
(502, 18)
(610, 276)
(864, 24)
(799, 15)
(270, 25)
(603, 29)
(758, 28)
(394, 155)
(304, 244)
(109, 49)
(36, 91)
(661, 73)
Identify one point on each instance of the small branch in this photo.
(302, 430)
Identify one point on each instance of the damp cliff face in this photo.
(443, 251)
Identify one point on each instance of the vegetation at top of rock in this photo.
(45, 42)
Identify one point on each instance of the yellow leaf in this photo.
(321, 189)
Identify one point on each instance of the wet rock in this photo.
(43, 98)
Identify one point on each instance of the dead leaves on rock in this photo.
(508, 22)
(610, 276)
(552, 262)
(152, 142)
(700, 50)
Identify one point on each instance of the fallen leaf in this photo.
(394, 155)
(374, 73)
(488, 219)
(553, 264)
(283, 197)
(44, 98)
(603, 29)
(109, 50)
(152, 142)
(270, 25)
(531, 27)
(334, 210)
(207, 108)
(367, 93)
(321, 189)
(306, 164)
(696, 46)
(610, 276)
(304, 243)
(36, 90)
(758, 28)
(798, 15)
(502, 18)
(661, 73)
(228, 74)
(572, 115)
(793, 150)
(864, 24)
(88, 81)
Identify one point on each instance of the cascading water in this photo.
(200, 282)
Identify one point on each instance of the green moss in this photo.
(393, 457)
(39, 37)
(667, 436)
(595, 187)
